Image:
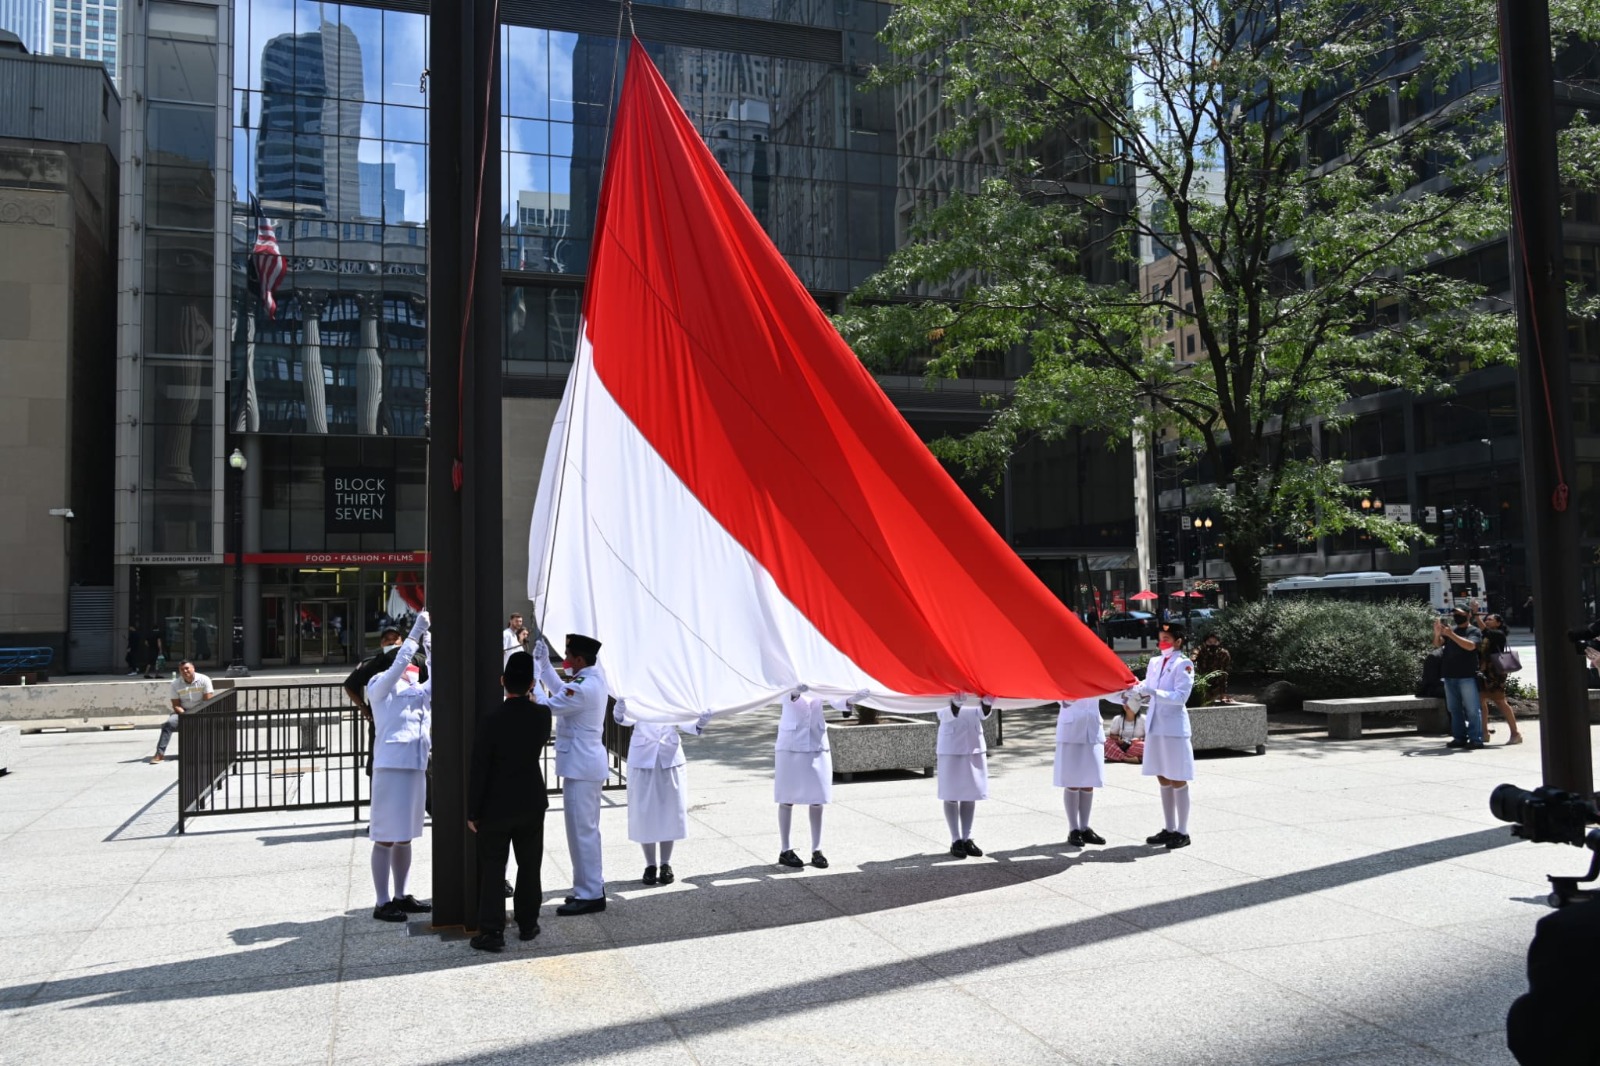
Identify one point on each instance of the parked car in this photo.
(1128, 624)
(1197, 613)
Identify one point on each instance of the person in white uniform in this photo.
(658, 790)
(802, 771)
(513, 638)
(401, 698)
(963, 768)
(578, 706)
(1168, 752)
(1080, 765)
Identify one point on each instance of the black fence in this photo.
(614, 736)
(273, 748)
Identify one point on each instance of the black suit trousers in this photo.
(497, 838)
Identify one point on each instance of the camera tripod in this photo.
(1565, 889)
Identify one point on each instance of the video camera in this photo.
(1551, 816)
(1586, 638)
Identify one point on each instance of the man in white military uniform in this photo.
(578, 707)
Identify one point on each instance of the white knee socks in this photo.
(1169, 808)
(968, 810)
(380, 873)
(400, 863)
(1181, 801)
(1069, 800)
(666, 852)
(816, 827)
(952, 818)
(649, 854)
(785, 818)
(1085, 802)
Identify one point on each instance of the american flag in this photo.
(267, 266)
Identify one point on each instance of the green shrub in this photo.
(1330, 649)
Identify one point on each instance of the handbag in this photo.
(1508, 661)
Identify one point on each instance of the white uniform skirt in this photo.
(398, 797)
(802, 776)
(1169, 757)
(963, 778)
(658, 804)
(1081, 765)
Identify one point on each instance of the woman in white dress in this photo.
(1080, 765)
(802, 771)
(401, 698)
(1168, 753)
(963, 769)
(658, 790)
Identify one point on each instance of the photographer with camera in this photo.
(1459, 673)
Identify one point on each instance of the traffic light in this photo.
(1169, 570)
(1447, 527)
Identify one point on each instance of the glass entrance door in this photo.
(274, 628)
(189, 630)
(322, 632)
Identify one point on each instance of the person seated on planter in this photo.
(658, 793)
(1125, 732)
(1080, 768)
(1213, 663)
(1168, 751)
(802, 771)
(963, 768)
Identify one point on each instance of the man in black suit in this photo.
(1550, 1024)
(506, 802)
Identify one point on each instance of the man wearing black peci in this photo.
(506, 802)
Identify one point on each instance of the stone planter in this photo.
(894, 743)
(1229, 725)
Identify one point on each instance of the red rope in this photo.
(1562, 493)
(458, 468)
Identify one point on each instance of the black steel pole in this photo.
(1543, 380)
(464, 325)
(237, 667)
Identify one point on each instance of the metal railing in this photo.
(614, 736)
(273, 748)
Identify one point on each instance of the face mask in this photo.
(1164, 644)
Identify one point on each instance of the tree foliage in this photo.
(1309, 164)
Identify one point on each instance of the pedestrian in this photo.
(1458, 670)
(1495, 658)
(1168, 753)
(134, 656)
(187, 691)
(1527, 612)
(513, 638)
(1080, 765)
(658, 790)
(155, 653)
(506, 801)
(1213, 663)
(1125, 733)
(963, 762)
(401, 697)
(802, 772)
(579, 707)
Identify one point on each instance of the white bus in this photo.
(1430, 584)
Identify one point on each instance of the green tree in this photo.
(1312, 165)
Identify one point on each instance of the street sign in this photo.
(1400, 512)
(1431, 515)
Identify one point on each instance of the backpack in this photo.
(1432, 681)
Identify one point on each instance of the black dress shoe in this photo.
(582, 906)
(1456, 744)
(489, 940)
(509, 890)
(789, 858)
(1177, 840)
(528, 931)
(1474, 745)
(1091, 837)
(667, 876)
(389, 912)
(649, 875)
(956, 850)
(411, 905)
(569, 899)
(1075, 839)
(972, 849)
(1161, 837)
(819, 860)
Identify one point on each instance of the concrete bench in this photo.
(1229, 725)
(896, 742)
(1344, 715)
(10, 741)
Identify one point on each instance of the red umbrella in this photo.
(1145, 595)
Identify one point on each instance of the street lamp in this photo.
(237, 668)
(1374, 507)
(1202, 530)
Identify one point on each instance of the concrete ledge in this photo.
(124, 698)
(896, 742)
(1344, 715)
(10, 741)
(1229, 725)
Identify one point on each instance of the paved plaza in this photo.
(1344, 901)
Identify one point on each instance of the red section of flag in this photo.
(267, 265)
(725, 364)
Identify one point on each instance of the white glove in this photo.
(419, 628)
(427, 643)
(701, 723)
(619, 711)
(796, 692)
(540, 652)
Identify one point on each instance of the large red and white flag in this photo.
(731, 504)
